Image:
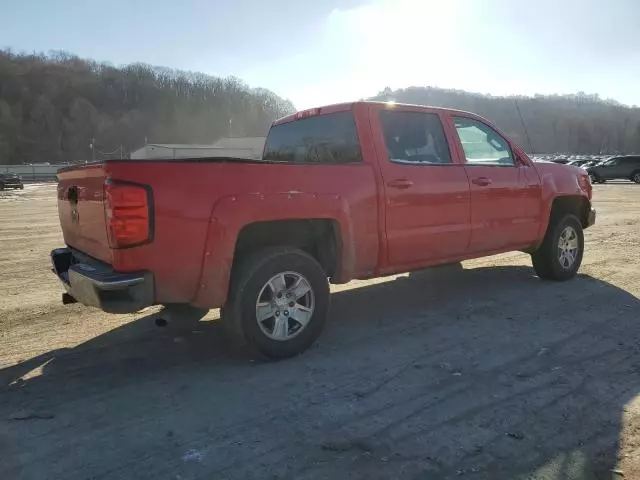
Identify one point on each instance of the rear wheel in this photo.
(635, 176)
(560, 254)
(278, 302)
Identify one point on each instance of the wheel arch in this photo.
(319, 237)
(577, 205)
(319, 224)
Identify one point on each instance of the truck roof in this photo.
(341, 107)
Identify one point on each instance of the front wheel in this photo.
(635, 177)
(560, 254)
(278, 302)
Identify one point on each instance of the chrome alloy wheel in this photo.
(285, 306)
(568, 248)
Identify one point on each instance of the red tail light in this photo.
(128, 213)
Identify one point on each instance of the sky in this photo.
(316, 53)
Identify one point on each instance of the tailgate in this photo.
(81, 210)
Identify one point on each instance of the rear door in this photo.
(427, 201)
(506, 193)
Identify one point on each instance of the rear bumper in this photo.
(591, 218)
(96, 284)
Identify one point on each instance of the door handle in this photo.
(401, 183)
(482, 181)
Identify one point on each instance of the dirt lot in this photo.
(480, 374)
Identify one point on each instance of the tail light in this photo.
(128, 213)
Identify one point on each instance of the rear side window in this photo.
(330, 138)
(414, 138)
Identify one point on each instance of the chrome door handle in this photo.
(401, 183)
(482, 181)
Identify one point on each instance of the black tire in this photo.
(595, 178)
(545, 259)
(248, 279)
(635, 176)
(21, 187)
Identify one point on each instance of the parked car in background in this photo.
(627, 167)
(579, 162)
(10, 180)
(591, 163)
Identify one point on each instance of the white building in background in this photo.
(241, 147)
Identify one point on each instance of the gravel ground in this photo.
(485, 373)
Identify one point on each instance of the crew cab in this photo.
(343, 192)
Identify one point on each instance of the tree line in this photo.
(580, 123)
(60, 108)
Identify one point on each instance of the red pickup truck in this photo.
(343, 192)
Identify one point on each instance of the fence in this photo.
(33, 173)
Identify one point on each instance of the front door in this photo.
(427, 200)
(505, 193)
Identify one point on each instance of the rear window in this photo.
(330, 138)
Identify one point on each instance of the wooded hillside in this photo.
(51, 107)
(557, 123)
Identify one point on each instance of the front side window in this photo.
(414, 138)
(327, 139)
(482, 145)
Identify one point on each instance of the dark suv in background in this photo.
(627, 167)
(10, 180)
